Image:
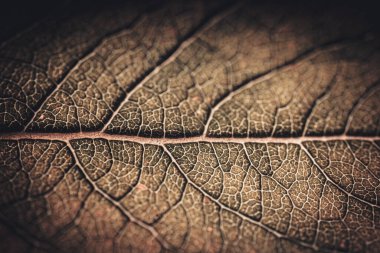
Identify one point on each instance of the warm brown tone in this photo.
(191, 127)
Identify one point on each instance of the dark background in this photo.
(17, 15)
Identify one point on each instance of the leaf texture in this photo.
(191, 127)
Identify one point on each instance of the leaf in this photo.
(191, 127)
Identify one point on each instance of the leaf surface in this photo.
(191, 127)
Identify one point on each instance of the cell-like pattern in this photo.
(310, 98)
(191, 127)
(177, 194)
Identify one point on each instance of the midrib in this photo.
(160, 141)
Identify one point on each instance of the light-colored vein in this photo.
(161, 141)
(121, 208)
(180, 48)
